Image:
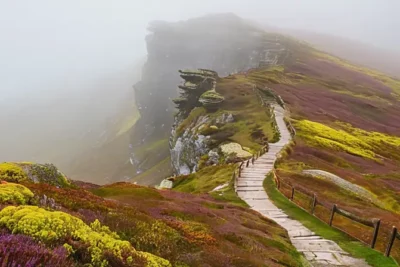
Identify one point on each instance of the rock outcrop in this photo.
(224, 43)
(188, 141)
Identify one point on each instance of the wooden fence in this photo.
(373, 223)
(394, 235)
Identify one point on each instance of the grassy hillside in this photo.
(347, 123)
(127, 225)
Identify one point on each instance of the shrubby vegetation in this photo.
(14, 194)
(21, 250)
(324, 136)
(58, 227)
(346, 138)
(12, 172)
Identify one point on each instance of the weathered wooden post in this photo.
(377, 223)
(314, 203)
(332, 214)
(252, 160)
(240, 171)
(248, 163)
(292, 194)
(391, 241)
(278, 181)
(234, 180)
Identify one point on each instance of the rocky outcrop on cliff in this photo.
(223, 42)
(194, 140)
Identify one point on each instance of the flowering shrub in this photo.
(20, 250)
(51, 227)
(14, 194)
(11, 172)
(194, 232)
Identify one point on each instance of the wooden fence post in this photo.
(252, 160)
(234, 180)
(240, 171)
(332, 214)
(377, 223)
(292, 194)
(314, 203)
(247, 164)
(391, 241)
(278, 182)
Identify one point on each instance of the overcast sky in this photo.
(56, 45)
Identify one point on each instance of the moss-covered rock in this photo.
(234, 152)
(32, 172)
(211, 99)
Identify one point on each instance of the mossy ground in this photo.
(253, 124)
(207, 179)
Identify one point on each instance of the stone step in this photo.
(249, 183)
(257, 169)
(251, 179)
(312, 237)
(253, 195)
(250, 187)
(253, 175)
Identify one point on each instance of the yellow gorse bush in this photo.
(346, 138)
(14, 193)
(12, 172)
(49, 226)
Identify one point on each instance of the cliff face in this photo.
(188, 140)
(223, 43)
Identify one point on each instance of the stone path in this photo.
(317, 250)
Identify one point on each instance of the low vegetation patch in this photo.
(320, 135)
(14, 194)
(12, 172)
(55, 227)
(205, 179)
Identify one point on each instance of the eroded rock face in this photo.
(224, 43)
(187, 151)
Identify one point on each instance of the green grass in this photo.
(228, 194)
(208, 178)
(355, 248)
(129, 122)
(205, 179)
(194, 114)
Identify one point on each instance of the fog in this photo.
(67, 67)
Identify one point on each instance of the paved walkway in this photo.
(318, 251)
